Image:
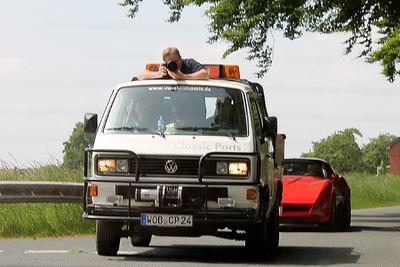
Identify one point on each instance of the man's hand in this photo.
(162, 71)
(148, 74)
(176, 75)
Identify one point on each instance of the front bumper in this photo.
(210, 216)
(304, 213)
(199, 201)
(198, 197)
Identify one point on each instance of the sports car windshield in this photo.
(177, 110)
(303, 169)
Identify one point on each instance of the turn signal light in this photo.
(251, 194)
(93, 190)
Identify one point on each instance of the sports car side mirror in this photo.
(334, 176)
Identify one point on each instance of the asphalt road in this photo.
(373, 240)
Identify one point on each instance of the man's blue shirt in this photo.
(189, 65)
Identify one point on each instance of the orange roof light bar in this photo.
(215, 71)
(231, 71)
(152, 67)
(223, 71)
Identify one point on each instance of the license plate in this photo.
(166, 220)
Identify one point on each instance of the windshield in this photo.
(303, 169)
(179, 110)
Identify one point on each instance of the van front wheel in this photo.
(108, 236)
(263, 238)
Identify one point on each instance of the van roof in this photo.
(241, 84)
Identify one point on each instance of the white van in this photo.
(185, 158)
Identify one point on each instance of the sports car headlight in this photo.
(112, 165)
(238, 168)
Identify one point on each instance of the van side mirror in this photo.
(279, 149)
(90, 123)
(270, 126)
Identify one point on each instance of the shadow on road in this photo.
(239, 255)
(379, 216)
(359, 222)
(353, 228)
(376, 222)
(375, 229)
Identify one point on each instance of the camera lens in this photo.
(172, 66)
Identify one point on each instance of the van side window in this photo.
(256, 116)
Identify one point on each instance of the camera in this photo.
(171, 65)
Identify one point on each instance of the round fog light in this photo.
(222, 168)
(122, 165)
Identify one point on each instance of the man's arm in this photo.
(148, 75)
(198, 75)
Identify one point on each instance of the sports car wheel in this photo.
(333, 217)
(140, 240)
(263, 238)
(344, 215)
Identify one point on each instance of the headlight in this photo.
(238, 168)
(232, 168)
(112, 165)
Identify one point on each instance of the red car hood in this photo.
(303, 189)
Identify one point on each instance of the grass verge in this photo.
(371, 191)
(57, 219)
(42, 219)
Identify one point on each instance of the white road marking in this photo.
(1, 251)
(122, 253)
(127, 253)
(46, 251)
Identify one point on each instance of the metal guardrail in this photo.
(40, 192)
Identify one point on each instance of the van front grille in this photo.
(153, 166)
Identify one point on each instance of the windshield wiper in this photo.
(195, 128)
(233, 136)
(138, 129)
(208, 129)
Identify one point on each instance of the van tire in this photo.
(273, 231)
(263, 238)
(140, 240)
(108, 236)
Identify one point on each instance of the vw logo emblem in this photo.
(171, 167)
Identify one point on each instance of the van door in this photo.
(263, 144)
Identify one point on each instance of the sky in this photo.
(61, 59)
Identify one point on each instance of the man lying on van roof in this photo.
(176, 67)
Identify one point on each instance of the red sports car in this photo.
(313, 193)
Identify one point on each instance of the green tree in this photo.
(247, 24)
(75, 146)
(375, 153)
(340, 149)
